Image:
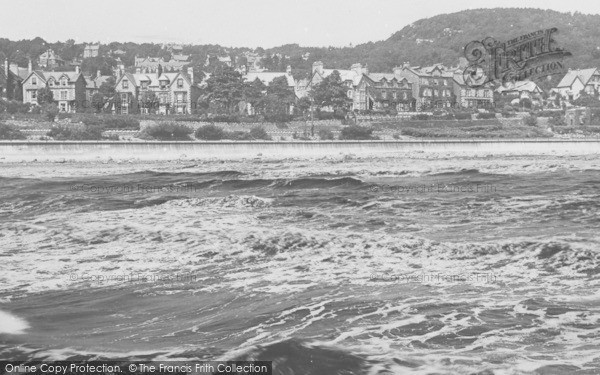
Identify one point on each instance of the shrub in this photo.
(166, 131)
(356, 133)
(210, 133)
(530, 120)
(50, 111)
(326, 135)
(75, 132)
(462, 116)
(10, 132)
(108, 121)
(421, 116)
(258, 132)
(223, 118)
(278, 117)
(485, 116)
(508, 114)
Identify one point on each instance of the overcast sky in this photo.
(237, 23)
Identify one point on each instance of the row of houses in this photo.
(406, 88)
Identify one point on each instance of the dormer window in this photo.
(144, 85)
(51, 82)
(180, 82)
(163, 84)
(125, 84)
(63, 81)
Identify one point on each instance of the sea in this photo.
(461, 272)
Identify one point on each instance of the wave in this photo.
(11, 324)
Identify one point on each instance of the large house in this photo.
(50, 60)
(68, 88)
(368, 91)
(152, 64)
(576, 81)
(91, 50)
(175, 92)
(432, 86)
(384, 91)
(472, 97)
(267, 77)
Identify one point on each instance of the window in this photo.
(124, 97)
(445, 82)
(125, 84)
(349, 93)
(405, 96)
(180, 82)
(384, 94)
(144, 85)
(395, 95)
(51, 82)
(63, 95)
(34, 80)
(33, 94)
(63, 82)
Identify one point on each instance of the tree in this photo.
(278, 100)
(107, 88)
(149, 101)
(224, 89)
(44, 95)
(50, 111)
(331, 92)
(98, 102)
(254, 93)
(587, 100)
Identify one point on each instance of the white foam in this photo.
(12, 324)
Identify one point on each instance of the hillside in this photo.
(431, 40)
(442, 38)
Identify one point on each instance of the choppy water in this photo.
(453, 273)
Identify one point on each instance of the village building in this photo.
(472, 97)
(267, 78)
(577, 81)
(68, 88)
(382, 92)
(175, 92)
(432, 85)
(152, 64)
(91, 50)
(50, 60)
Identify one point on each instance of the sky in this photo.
(238, 23)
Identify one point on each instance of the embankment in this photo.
(11, 151)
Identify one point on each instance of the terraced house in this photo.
(174, 92)
(68, 88)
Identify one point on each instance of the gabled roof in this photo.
(584, 76)
(153, 79)
(521, 86)
(45, 76)
(267, 77)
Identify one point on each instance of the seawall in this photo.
(11, 151)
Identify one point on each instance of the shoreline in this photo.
(76, 151)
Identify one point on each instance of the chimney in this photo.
(397, 70)
(406, 64)
(366, 69)
(29, 66)
(77, 69)
(138, 70)
(191, 73)
(98, 73)
(288, 70)
(317, 67)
